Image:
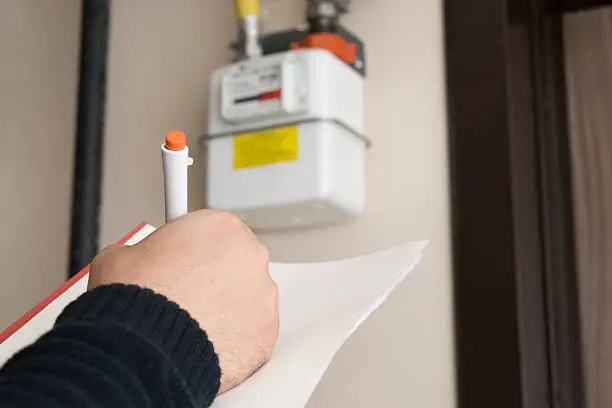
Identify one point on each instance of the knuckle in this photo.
(274, 294)
(111, 257)
(228, 218)
(104, 264)
(264, 353)
(273, 315)
(263, 252)
(274, 332)
(104, 256)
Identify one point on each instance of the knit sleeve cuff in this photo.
(162, 322)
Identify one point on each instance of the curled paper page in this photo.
(321, 305)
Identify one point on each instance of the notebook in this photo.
(321, 305)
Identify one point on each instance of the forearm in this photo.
(117, 346)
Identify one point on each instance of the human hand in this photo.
(213, 266)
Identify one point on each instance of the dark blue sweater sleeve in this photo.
(117, 346)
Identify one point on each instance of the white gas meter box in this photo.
(286, 144)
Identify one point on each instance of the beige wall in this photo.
(38, 80)
(588, 39)
(161, 59)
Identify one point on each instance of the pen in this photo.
(176, 160)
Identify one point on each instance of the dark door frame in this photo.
(515, 278)
(575, 5)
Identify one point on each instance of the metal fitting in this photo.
(249, 36)
(323, 15)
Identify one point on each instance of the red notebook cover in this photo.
(7, 350)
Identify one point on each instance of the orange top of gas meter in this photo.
(331, 42)
(176, 140)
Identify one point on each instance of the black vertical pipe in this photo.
(89, 133)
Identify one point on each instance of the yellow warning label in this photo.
(265, 147)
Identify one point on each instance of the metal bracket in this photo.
(358, 135)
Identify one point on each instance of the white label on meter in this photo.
(253, 92)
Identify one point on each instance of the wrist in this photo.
(161, 322)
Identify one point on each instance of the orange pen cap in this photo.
(176, 140)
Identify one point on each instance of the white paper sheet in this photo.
(321, 305)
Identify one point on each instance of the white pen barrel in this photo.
(175, 165)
